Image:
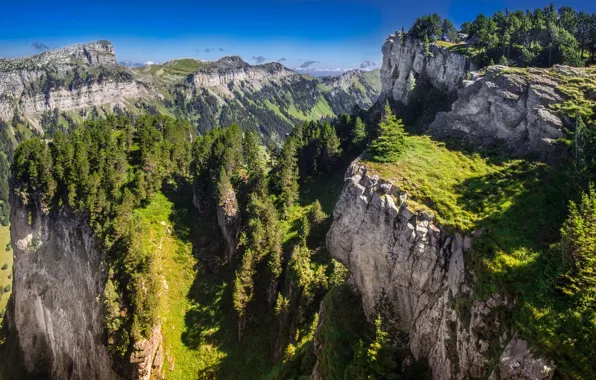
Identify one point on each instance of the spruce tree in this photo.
(287, 173)
(391, 144)
(358, 133)
(578, 253)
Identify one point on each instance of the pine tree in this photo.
(331, 146)
(358, 133)
(578, 253)
(391, 144)
(287, 173)
(255, 165)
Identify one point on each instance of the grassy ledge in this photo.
(516, 207)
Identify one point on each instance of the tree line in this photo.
(541, 37)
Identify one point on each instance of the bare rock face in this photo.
(517, 362)
(59, 278)
(148, 356)
(229, 221)
(56, 312)
(234, 69)
(506, 107)
(74, 77)
(394, 252)
(406, 62)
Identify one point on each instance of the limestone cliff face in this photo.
(404, 256)
(59, 277)
(229, 221)
(509, 107)
(406, 63)
(74, 77)
(56, 312)
(234, 69)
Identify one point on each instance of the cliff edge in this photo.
(402, 255)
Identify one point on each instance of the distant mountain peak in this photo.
(95, 53)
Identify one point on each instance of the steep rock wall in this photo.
(59, 277)
(229, 221)
(406, 62)
(509, 107)
(32, 85)
(234, 69)
(56, 312)
(396, 253)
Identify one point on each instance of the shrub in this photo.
(5, 266)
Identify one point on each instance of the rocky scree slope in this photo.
(401, 255)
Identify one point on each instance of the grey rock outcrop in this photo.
(506, 107)
(59, 278)
(406, 63)
(234, 69)
(70, 78)
(517, 362)
(229, 221)
(56, 315)
(394, 252)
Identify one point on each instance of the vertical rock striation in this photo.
(406, 62)
(402, 255)
(59, 278)
(56, 314)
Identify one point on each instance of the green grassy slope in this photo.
(5, 258)
(515, 208)
(196, 313)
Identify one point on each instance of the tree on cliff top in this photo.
(391, 143)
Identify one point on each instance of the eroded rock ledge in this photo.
(394, 252)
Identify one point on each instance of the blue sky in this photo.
(337, 34)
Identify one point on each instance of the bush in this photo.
(5, 266)
(7, 288)
(8, 247)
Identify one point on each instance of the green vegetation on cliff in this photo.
(105, 170)
(542, 37)
(514, 208)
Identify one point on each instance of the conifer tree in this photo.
(391, 143)
(358, 133)
(287, 173)
(255, 165)
(578, 253)
(331, 146)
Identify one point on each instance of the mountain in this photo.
(75, 80)
(269, 96)
(447, 232)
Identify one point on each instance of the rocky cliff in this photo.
(56, 314)
(75, 77)
(407, 63)
(395, 253)
(509, 107)
(230, 69)
(59, 277)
